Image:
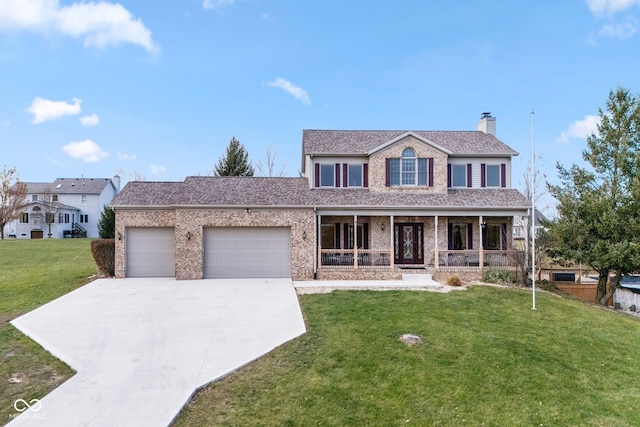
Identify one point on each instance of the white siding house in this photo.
(67, 207)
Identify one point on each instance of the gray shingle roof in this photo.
(360, 142)
(295, 192)
(69, 186)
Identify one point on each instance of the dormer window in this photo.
(409, 170)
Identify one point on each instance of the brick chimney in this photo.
(487, 124)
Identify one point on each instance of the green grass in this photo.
(32, 273)
(487, 359)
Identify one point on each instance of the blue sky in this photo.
(157, 89)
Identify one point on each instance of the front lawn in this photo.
(486, 359)
(32, 273)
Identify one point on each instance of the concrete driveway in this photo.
(141, 347)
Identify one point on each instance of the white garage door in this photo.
(151, 252)
(247, 252)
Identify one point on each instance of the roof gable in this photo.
(405, 135)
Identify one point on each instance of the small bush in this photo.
(498, 276)
(454, 281)
(104, 254)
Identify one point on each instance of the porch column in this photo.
(481, 254)
(391, 254)
(436, 255)
(355, 242)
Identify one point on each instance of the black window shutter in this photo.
(345, 175)
(365, 175)
(503, 241)
(503, 175)
(337, 174)
(337, 242)
(365, 235)
(483, 232)
(469, 178)
(387, 172)
(317, 177)
(450, 236)
(470, 236)
(448, 175)
(430, 165)
(346, 236)
(483, 175)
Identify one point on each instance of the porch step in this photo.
(421, 280)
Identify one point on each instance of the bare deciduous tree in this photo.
(271, 167)
(13, 193)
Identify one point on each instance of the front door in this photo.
(408, 245)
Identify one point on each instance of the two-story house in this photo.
(369, 204)
(67, 207)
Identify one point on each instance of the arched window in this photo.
(409, 170)
(409, 167)
(408, 153)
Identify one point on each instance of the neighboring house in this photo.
(369, 204)
(68, 207)
(521, 226)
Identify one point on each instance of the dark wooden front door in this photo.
(408, 245)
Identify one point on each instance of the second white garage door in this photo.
(247, 252)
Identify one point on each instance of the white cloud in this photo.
(127, 157)
(620, 31)
(293, 90)
(100, 24)
(216, 4)
(91, 120)
(44, 109)
(157, 169)
(610, 7)
(580, 129)
(87, 151)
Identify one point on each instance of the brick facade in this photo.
(377, 166)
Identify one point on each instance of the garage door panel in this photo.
(247, 252)
(150, 252)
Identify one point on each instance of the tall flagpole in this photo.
(533, 208)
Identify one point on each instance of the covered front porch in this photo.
(375, 245)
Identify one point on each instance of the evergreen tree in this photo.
(599, 222)
(235, 162)
(107, 223)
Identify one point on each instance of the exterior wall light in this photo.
(304, 235)
(119, 236)
(188, 235)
